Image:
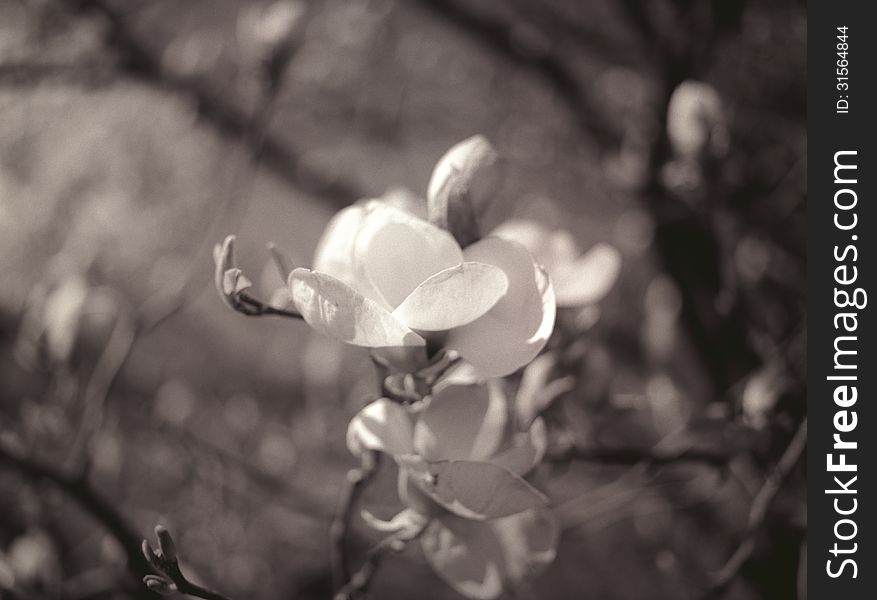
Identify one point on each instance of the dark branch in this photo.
(165, 560)
(91, 501)
(759, 509)
(357, 481)
(230, 119)
(496, 35)
(26, 74)
(629, 456)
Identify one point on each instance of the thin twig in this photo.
(105, 372)
(759, 509)
(712, 456)
(89, 499)
(357, 482)
(166, 561)
(361, 580)
(495, 34)
(228, 118)
(31, 74)
(252, 307)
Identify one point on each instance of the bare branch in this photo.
(230, 119)
(27, 74)
(105, 372)
(715, 457)
(165, 560)
(759, 508)
(361, 580)
(496, 35)
(357, 482)
(91, 501)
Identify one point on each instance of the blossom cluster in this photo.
(439, 300)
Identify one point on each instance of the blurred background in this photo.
(136, 134)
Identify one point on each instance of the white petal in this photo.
(383, 426)
(477, 558)
(549, 248)
(337, 310)
(513, 332)
(334, 253)
(404, 199)
(462, 422)
(589, 278)
(396, 251)
(467, 557)
(473, 489)
(453, 297)
(525, 450)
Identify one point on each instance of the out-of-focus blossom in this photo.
(32, 560)
(385, 278)
(696, 121)
(578, 279)
(462, 458)
(762, 392)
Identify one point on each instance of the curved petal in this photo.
(396, 251)
(467, 556)
(337, 310)
(550, 248)
(513, 332)
(588, 278)
(382, 426)
(578, 280)
(477, 558)
(462, 422)
(453, 297)
(404, 199)
(472, 489)
(525, 449)
(334, 253)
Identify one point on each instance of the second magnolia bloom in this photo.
(462, 458)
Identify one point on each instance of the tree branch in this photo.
(166, 561)
(361, 580)
(496, 35)
(230, 119)
(715, 457)
(357, 482)
(759, 509)
(91, 501)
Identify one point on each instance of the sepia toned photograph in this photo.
(403, 299)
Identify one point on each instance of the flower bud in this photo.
(229, 280)
(159, 585)
(462, 188)
(149, 553)
(166, 543)
(282, 260)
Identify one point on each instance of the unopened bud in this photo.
(462, 188)
(282, 260)
(229, 280)
(166, 543)
(159, 585)
(223, 257)
(149, 553)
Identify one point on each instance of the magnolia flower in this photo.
(461, 461)
(578, 279)
(384, 277)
